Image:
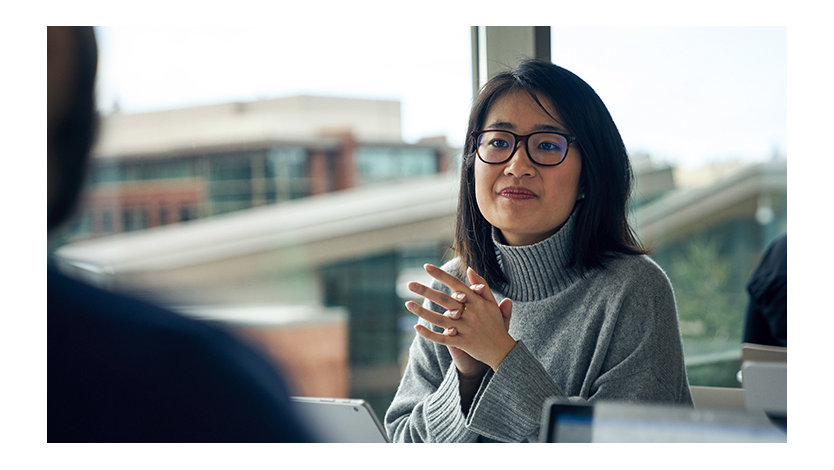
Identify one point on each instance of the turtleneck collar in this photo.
(540, 270)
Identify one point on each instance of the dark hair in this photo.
(601, 227)
(74, 132)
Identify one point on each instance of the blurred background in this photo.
(288, 182)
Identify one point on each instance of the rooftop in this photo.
(295, 118)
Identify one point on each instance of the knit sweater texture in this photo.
(611, 334)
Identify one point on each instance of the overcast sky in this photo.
(687, 95)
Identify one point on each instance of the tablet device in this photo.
(340, 419)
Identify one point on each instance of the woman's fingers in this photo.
(454, 314)
(459, 288)
(439, 338)
(437, 319)
(479, 284)
(506, 307)
(450, 281)
(445, 301)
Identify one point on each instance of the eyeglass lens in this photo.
(545, 148)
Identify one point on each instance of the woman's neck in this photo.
(537, 270)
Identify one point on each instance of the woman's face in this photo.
(525, 201)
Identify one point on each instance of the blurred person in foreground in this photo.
(550, 294)
(766, 320)
(121, 369)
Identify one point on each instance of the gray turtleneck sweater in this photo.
(609, 335)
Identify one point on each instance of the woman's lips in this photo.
(516, 192)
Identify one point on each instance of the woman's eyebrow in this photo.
(537, 127)
(547, 127)
(501, 125)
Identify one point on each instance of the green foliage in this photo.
(711, 299)
(715, 374)
(709, 304)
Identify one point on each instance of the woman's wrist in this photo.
(468, 386)
(502, 351)
(472, 376)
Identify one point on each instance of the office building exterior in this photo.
(158, 168)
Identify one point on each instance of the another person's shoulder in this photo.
(779, 245)
(144, 360)
(130, 321)
(139, 332)
(775, 257)
(769, 279)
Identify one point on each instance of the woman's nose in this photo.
(520, 163)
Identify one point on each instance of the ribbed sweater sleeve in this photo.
(508, 405)
(427, 405)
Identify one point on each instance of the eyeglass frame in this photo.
(518, 138)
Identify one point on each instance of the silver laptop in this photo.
(340, 419)
(564, 421)
(763, 353)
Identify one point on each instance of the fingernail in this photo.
(459, 296)
(453, 314)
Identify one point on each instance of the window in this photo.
(386, 164)
(106, 221)
(664, 88)
(285, 173)
(185, 214)
(186, 140)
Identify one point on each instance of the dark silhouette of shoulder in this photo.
(123, 370)
(767, 310)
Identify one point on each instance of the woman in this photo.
(550, 293)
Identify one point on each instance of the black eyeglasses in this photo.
(545, 148)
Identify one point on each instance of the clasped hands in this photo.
(475, 325)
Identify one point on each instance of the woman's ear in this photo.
(582, 183)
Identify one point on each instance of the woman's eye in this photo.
(499, 143)
(549, 147)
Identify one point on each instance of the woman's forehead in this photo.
(513, 106)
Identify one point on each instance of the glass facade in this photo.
(378, 164)
(285, 174)
(232, 181)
